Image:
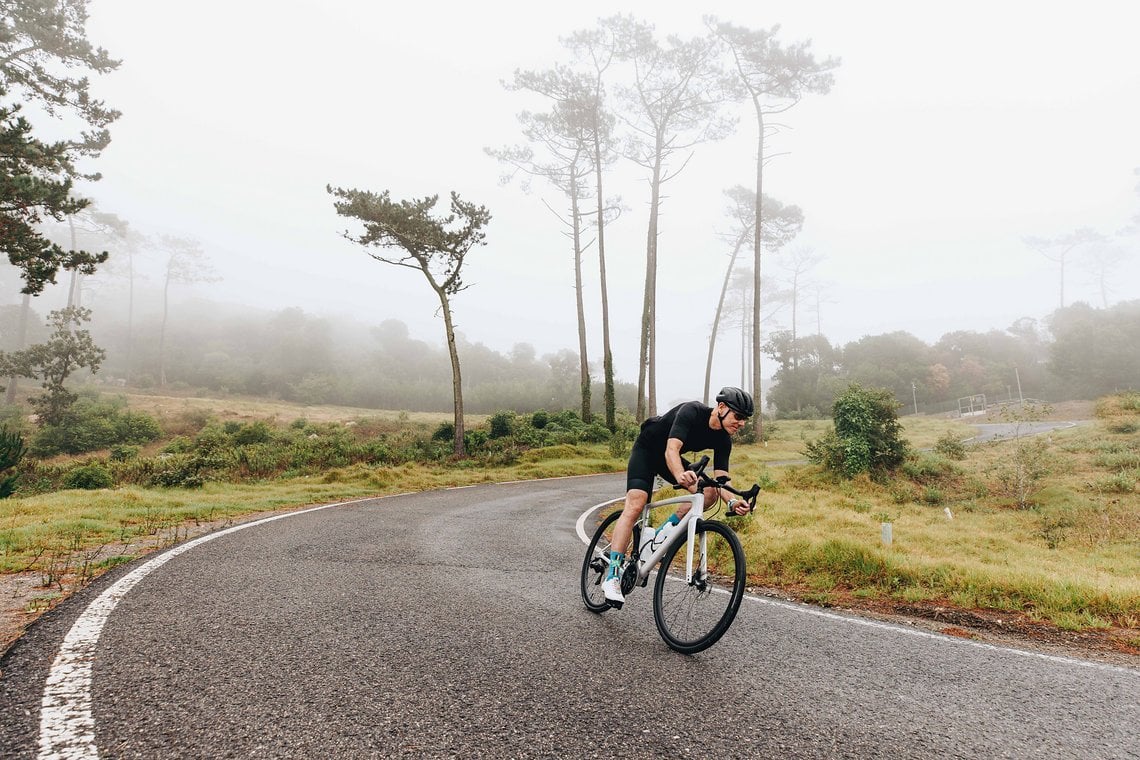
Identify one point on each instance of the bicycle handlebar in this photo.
(704, 481)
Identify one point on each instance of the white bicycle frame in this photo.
(686, 529)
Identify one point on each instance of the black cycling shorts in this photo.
(644, 465)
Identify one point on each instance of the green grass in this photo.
(1072, 560)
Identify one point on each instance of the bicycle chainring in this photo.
(628, 578)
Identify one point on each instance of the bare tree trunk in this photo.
(130, 315)
(647, 309)
(456, 377)
(716, 318)
(756, 268)
(73, 283)
(608, 359)
(162, 332)
(21, 343)
(583, 361)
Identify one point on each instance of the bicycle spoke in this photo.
(692, 615)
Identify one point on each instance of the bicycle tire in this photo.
(595, 564)
(691, 617)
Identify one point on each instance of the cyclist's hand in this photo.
(688, 481)
(739, 506)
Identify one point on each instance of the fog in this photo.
(951, 133)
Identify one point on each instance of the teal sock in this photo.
(616, 559)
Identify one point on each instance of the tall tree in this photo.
(435, 245)
(1058, 249)
(185, 263)
(774, 78)
(41, 43)
(35, 184)
(68, 349)
(784, 223)
(672, 105)
(800, 261)
(598, 47)
(563, 134)
(1103, 260)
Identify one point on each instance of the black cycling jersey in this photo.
(688, 422)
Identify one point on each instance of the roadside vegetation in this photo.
(1045, 527)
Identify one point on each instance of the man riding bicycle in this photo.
(691, 426)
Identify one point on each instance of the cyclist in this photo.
(691, 426)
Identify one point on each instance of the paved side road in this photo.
(448, 624)
(1005, 430)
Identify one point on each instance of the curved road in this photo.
(449, 624)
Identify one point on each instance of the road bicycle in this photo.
(700, 568)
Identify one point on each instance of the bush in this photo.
(950, 446)
(135, 427)
(866, 435)
(539, 419)
(928, 469)
(254, 432)
(502, 424)
(123, 453)
(88, 477)
(445, 432)
(595, 432)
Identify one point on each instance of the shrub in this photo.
(502, 424)
(473, 440)
(178, 445)
(949, 445)
(89, 477)
(183, 472)
(595, 432)
(445, 432)
(254, 432)
(124, 453)
(12, 450)
(928, 468)
(539, 419)
(866, 435)
(135, 427)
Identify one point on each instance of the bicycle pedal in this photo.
(613, 604)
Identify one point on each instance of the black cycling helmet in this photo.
(737, 400)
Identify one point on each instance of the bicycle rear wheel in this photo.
(596, 562)
(693, 616)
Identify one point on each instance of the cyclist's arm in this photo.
(673, 461)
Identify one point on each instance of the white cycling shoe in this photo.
(612, 589)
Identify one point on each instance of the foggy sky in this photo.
(952, 132)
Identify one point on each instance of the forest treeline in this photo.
(1078, 352)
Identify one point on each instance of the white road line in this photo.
(67, 726)
(804, 609)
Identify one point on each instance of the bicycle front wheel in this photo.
(596, 563)
(692, 615)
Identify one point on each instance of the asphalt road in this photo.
(448, 624)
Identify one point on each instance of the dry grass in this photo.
(1070, 556)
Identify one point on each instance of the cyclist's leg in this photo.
(635, 501)
(644, 464)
